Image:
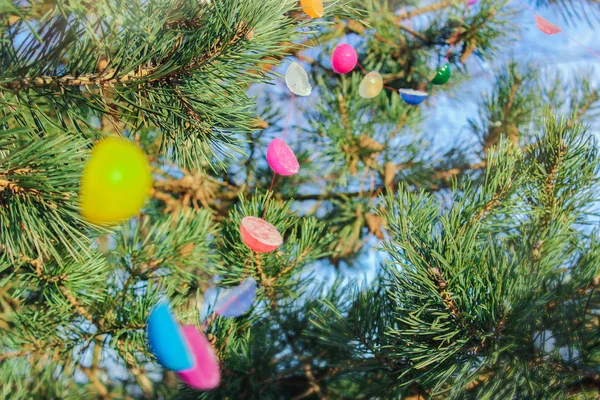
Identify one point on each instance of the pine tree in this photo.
(490, 284)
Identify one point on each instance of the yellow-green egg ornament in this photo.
(371, 85)
(116, 182)
(442, 76)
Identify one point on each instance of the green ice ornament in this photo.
(442, 76)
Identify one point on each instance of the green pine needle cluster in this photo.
(485, 251)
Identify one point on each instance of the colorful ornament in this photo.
(167, 341)
(412, 97)
(442, 76)
(471, 2)
(371, 85)
(259, 235)
(237, 300)
(282, 159)
(313, 8)
(185, 351)
(296, 80)
(344, 58)
(205, 374)
(116, 182)
(545, 26)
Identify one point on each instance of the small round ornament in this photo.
(297, 81)
(413, 97)
(371, 85)
(205, 374)
(442, 76)
(313, 8)
(282, 159)
(259, 235)
(116, 182)
(344, 58)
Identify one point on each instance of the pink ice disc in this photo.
(259, 235)
(344, 58)
(282, 159)
(471, 2)
(205, 374)
(545, 26)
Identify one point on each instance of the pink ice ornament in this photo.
(344, 58)
(237, 300)
(282, 159)
(471, 2)
(205, 374)
(545, 26)
(259, 235)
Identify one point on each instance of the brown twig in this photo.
(292, 264)
(14, 354)
(442, 287)
(100, 388)
(550, 198)
(449, 173)
(487, 208)
(6, 184)
(594, 96)
(111, 77)
(426, 9)
(76, 305)
(359, 29)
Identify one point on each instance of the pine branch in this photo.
(13, 354)
(136, 77)
(450, 305)
(588, 383)
(101, 389)
(267, 282)
(45, 184)
(75, 304)
(109, 78)
(493, 203)
(549, 190)
(427, 9)
(594, 97)
(359, 29)
(452, 172)
(442, 287)
(333, 195)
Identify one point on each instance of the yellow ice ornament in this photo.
(116, 182)
(371, 85)
(314, 8)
